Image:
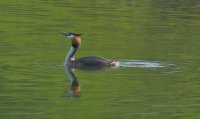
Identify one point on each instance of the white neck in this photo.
(70, 55)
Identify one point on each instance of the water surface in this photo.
(157, 42)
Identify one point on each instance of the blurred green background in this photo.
(33, 81)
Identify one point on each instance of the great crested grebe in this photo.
(84, 62)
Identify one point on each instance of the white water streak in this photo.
(141, 63)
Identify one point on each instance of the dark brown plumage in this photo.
(94, 61)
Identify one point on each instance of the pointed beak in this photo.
(65, 34)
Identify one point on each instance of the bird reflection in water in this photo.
(74, 90)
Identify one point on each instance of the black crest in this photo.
(76, 34)
(68, 34)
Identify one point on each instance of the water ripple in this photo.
(142, 63)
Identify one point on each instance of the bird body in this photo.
(84, 62)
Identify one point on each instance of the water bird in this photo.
(84, 62)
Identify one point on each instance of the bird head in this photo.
(75, 39)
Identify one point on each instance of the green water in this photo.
(33, 80)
